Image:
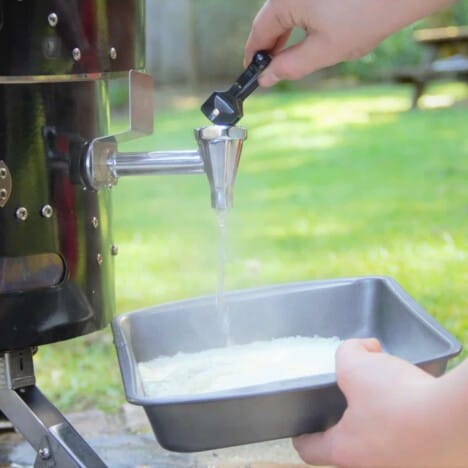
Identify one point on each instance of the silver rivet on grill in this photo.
(114, 250)
(44, 453)
(113, 53)
(99, 259)
(52, 19)
(21, 213)
(3, 173)
(3, 194)
(76, 54)
(47, 211)
(95, 222)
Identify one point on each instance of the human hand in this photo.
(336, 30)
(397, 415)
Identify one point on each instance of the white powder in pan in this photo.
(238, 366)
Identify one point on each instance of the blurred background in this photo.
(195, 42)
(338, 179)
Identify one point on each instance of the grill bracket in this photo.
(16, 369)
(56, 442)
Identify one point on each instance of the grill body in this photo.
(56, 246)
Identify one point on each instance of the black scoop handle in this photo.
(226, 107)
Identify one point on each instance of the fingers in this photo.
(317, 448)
(297, 61)
(271, 30)
(322, 448)
(281, 42)
(268, 28)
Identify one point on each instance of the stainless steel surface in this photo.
(47, 211)
(214, 133)
(44, 453)
(52, 261)
(140, 108)
(52, 19)
(16, 79)
(357, 307)
(76, 54)
(218, 155)
(96, 172)
(22, 213)
(56, 268)
(156, 162)
(42, 425)
(3, 196)
(30, 272)
(220, 148)
(5, 184)
(16, 369)
(37, 38)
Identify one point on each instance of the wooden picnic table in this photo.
(440, 37)
(446, 57)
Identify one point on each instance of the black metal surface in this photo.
(226, 107)
(43, 132)
(359, 307)
(31, 46)
(30, 272)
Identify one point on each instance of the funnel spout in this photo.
(220, 149)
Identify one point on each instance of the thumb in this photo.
(371, 344)
(297, 61)
(317, 448)
(350, 355)
(358, 345)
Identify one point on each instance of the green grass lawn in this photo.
(331, 184)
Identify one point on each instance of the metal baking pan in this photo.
(358, 307)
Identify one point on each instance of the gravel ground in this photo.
(126, 440)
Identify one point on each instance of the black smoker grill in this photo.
(56, 247)
(57, 160)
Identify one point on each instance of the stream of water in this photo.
(222, 308)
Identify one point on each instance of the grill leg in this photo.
(56, 442)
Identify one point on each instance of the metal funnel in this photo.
(220, 149)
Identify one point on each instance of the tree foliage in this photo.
(400, 49)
